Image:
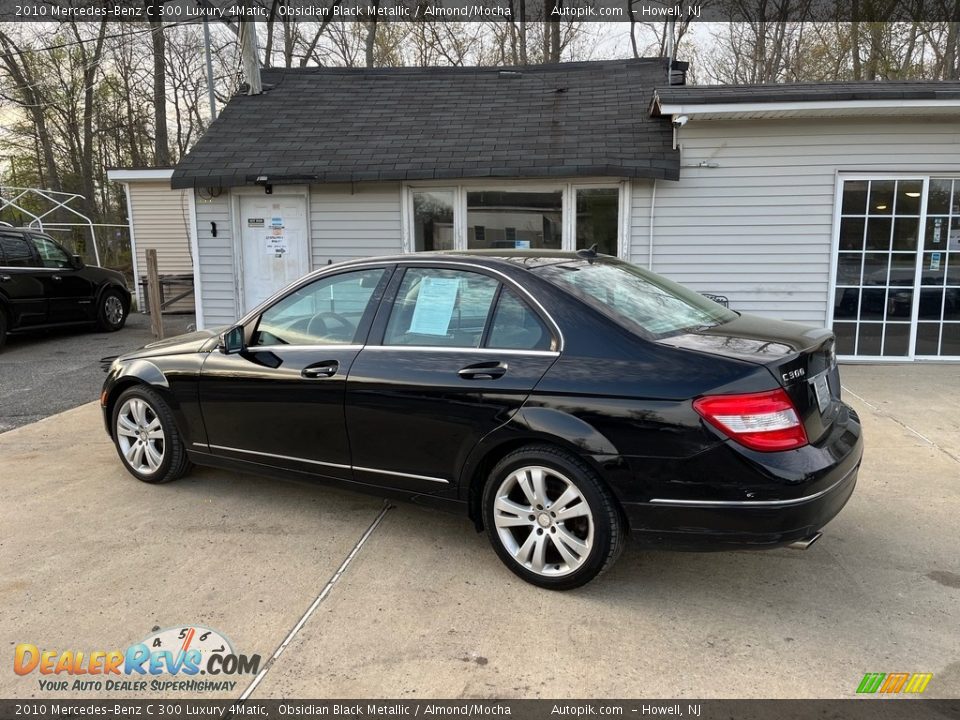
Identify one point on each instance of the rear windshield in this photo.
(635, 297)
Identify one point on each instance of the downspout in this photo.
(653, 209)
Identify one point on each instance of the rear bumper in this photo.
(723, 527)
(722, 524)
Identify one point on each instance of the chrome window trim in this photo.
(326, 464)
(336, 346)
(361, 264)
(34, 268)
(462, 349)
(753, 503)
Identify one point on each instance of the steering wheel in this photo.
(318, 324)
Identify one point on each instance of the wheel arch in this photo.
(127, 297)
(520, 432)
(138, 372)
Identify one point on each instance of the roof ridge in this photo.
(468, 69)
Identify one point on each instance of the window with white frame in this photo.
(897, 267)
(538, 216)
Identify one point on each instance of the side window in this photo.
(15, 251)
(437, 307)
(51, 254)
(516, 326)
(328, 311)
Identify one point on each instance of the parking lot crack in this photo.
(317, 601)
(898, 421)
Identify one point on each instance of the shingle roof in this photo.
(809, 92)
(339, 124)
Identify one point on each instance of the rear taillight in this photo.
(765, 421)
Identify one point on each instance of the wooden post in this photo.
(153, 294)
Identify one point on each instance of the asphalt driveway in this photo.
(367, 602)
(50, 371)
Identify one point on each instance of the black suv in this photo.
(42, 285)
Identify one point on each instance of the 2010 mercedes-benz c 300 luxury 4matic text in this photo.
(561, 400)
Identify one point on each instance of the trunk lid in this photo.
(801, 359)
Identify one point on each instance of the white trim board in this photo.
(123, 175)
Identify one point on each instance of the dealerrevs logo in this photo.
(187, 652)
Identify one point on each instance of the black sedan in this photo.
(559, 399)
(42, 286)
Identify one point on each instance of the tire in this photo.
(3, 327)
(138, 415)
(576, 548)
(111, 311)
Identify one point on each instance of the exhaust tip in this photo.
(805, 543)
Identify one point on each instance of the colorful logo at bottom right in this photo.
(893, 683)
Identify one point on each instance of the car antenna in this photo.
(588, 253)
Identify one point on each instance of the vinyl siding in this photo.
(758, 228)
(217, 268)
(161, 221)
(345, 222)
(349, 222)
(639, 240)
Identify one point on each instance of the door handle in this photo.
(324, 369)
(5, 278)
(483, 371)
(58, 278)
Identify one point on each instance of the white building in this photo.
(829, 204)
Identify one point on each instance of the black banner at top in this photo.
(645, 11)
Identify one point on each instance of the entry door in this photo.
(938, 326)
(69, 292)
(898, 268)
(274, 244)
(21, 285)
(878, 251)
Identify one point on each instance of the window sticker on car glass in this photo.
(434, 308)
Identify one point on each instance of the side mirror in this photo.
(231, 342)
(77, 262)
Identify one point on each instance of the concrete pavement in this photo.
(92, 559)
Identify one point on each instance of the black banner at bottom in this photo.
(855, 709)
(871, 708)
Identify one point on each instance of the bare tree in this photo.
(161, 146)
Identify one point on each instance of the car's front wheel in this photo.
(147, 438)
(550, 518)
(111, 312)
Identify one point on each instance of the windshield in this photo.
(635, 297)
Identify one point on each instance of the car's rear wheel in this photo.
(111, 312)
(147, 438)
(550, 518)
(3, 327)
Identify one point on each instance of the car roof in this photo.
(32, 230)
(520, 259)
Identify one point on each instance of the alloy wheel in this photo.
(140, 436)
(113, 309)
(543, 520)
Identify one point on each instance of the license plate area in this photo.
(822, 390)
